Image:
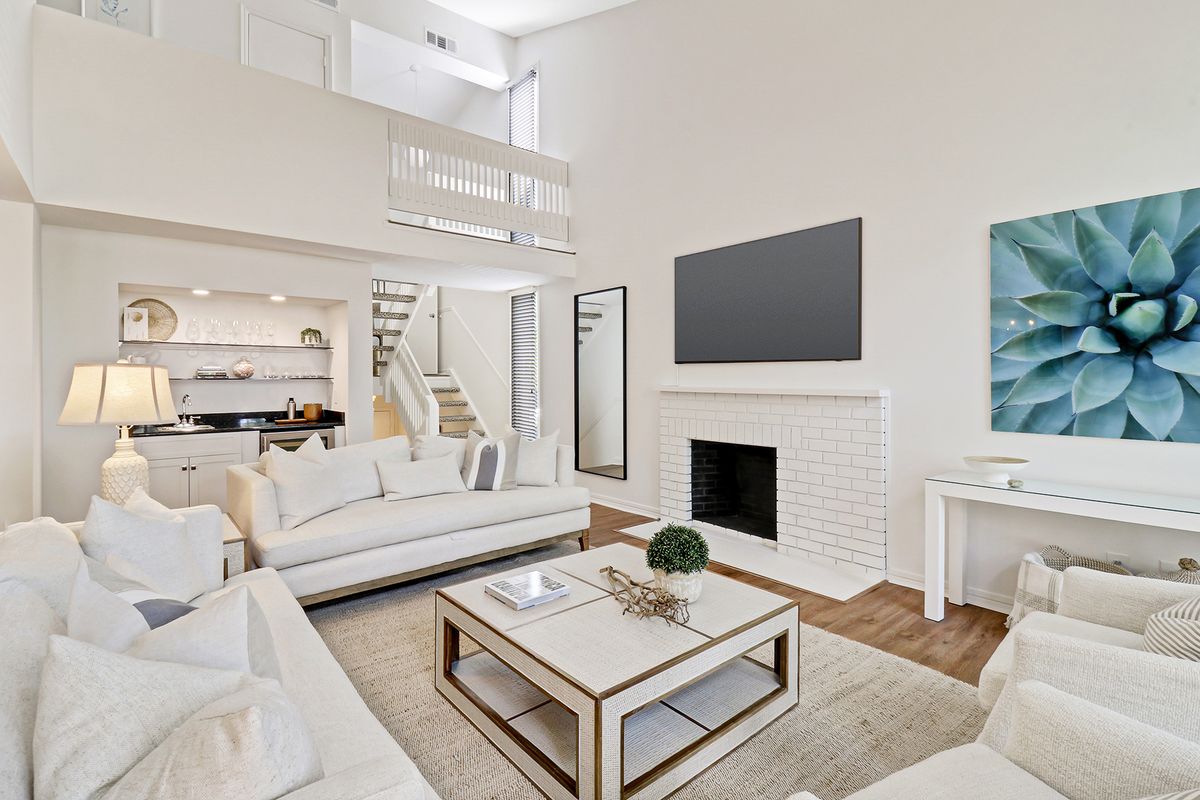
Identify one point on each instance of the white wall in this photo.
(474, 341)
(185, 137)
(81, 274)
(931, 120)
(16, 78)
(215, 26)
(20, 401)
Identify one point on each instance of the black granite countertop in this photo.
(241, 421)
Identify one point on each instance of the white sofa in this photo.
(1075, 719)
(361, 761)
(371, 543)
(1096, 606)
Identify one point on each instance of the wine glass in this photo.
(270, 331)
(193, 330)
(235, 332)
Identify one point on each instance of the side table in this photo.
(237, 555)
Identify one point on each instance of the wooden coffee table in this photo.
(591, 703)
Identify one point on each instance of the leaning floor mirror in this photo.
(600, 439)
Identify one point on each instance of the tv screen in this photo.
(793, 297)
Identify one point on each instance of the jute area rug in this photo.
(863, 713)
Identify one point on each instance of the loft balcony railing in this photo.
(453, 175)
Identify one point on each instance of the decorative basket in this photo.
(1189, 572)
(1059, 559)
(1039, 580)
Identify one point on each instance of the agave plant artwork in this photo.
(1094, 321)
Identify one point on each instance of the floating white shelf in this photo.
(220, 345)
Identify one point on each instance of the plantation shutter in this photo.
(526, 405)
(522, 132)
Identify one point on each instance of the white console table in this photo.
(946, 496)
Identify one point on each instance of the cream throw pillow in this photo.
(537, 462)
(228, 633)
(100, 713)
(303, 489)
(27, 623)
(355, 465)
(404, 480)
(150, 538)
(43, 554)
(1084, 750)
(251, 745)
(490, 465)
(437, 446)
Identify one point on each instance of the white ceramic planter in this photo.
(684, 585)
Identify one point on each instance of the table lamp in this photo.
(120, 394)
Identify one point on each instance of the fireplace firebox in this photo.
(733, 486)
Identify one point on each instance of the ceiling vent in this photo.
(333, 4)
(441, 42)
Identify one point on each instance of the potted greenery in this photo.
(678, 555)
(310, 337)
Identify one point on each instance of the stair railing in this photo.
(458, 176)
(486, 389)
(414, 399)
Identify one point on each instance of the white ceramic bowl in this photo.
(996, 469)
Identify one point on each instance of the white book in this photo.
(523, 591)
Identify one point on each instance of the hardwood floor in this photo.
(888, 617)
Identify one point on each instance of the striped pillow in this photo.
(1175, 631)
(491, 464)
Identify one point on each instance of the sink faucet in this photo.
(187, 405)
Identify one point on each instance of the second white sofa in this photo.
(371, 543)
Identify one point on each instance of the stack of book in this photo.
(212, 372)
(523, 591)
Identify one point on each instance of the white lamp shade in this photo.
(118, 394)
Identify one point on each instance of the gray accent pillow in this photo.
(491, 464)
(156, 608)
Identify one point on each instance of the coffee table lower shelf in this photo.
(641, 742)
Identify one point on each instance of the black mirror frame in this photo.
(624, 379)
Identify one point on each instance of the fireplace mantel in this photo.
(776, 390)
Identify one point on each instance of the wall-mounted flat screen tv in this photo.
(793, 297)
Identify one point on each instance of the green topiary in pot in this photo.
(678, 555)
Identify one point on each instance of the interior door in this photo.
(207, 479)
(286, 51)
(169, 481)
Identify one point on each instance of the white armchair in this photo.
(1075, 719)
(1097, 607)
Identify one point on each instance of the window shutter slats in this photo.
(523, 133)
(525, 403)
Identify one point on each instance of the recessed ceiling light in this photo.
(278, 298)
(200, 292)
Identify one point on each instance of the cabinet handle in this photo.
(183, 468)
(193, 468)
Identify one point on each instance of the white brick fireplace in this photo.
(831, 464)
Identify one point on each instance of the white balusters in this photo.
(454, 175)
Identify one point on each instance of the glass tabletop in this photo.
(1098, 494)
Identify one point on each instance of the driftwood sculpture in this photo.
(644, 600)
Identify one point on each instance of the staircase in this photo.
(392, 303)
(581, 327)
(456, 417)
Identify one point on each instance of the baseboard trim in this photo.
(624, 505)
(993, 601)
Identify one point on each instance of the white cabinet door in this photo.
(285, 50)
(208, 478)
(170, 481)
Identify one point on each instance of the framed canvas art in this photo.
(1094, 328)
(132, 15)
